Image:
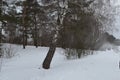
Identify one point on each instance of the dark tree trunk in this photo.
(24, 26)
(26, 38)
(35, 32)
(23, 39)
(48, 59)
(35, 38)
(0, 37)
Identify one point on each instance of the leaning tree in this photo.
(74, 18)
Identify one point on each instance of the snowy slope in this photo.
(101, 66)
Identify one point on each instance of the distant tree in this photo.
(0, 21)
(38, 16)
(3, 19)
(12, 24)
(106, 12)
(81, 27)
(84, 25)
(34, 18)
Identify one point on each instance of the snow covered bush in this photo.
(70, 53)
(0, 51)
(8, 51)
(77, 53)
(1, 56)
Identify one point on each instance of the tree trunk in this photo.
(48, 59)
(24, 26)
(35, 32)
(0, 37)
(23, 39)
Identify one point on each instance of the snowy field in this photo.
(26, 65)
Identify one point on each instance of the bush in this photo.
(1, 53)
(9, 51)
(77, 53)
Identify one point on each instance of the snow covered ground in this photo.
(26, 63)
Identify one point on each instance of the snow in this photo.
(26, 65)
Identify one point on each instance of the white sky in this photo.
(115, 2)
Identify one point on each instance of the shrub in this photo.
(77, 53)
(9, 51)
